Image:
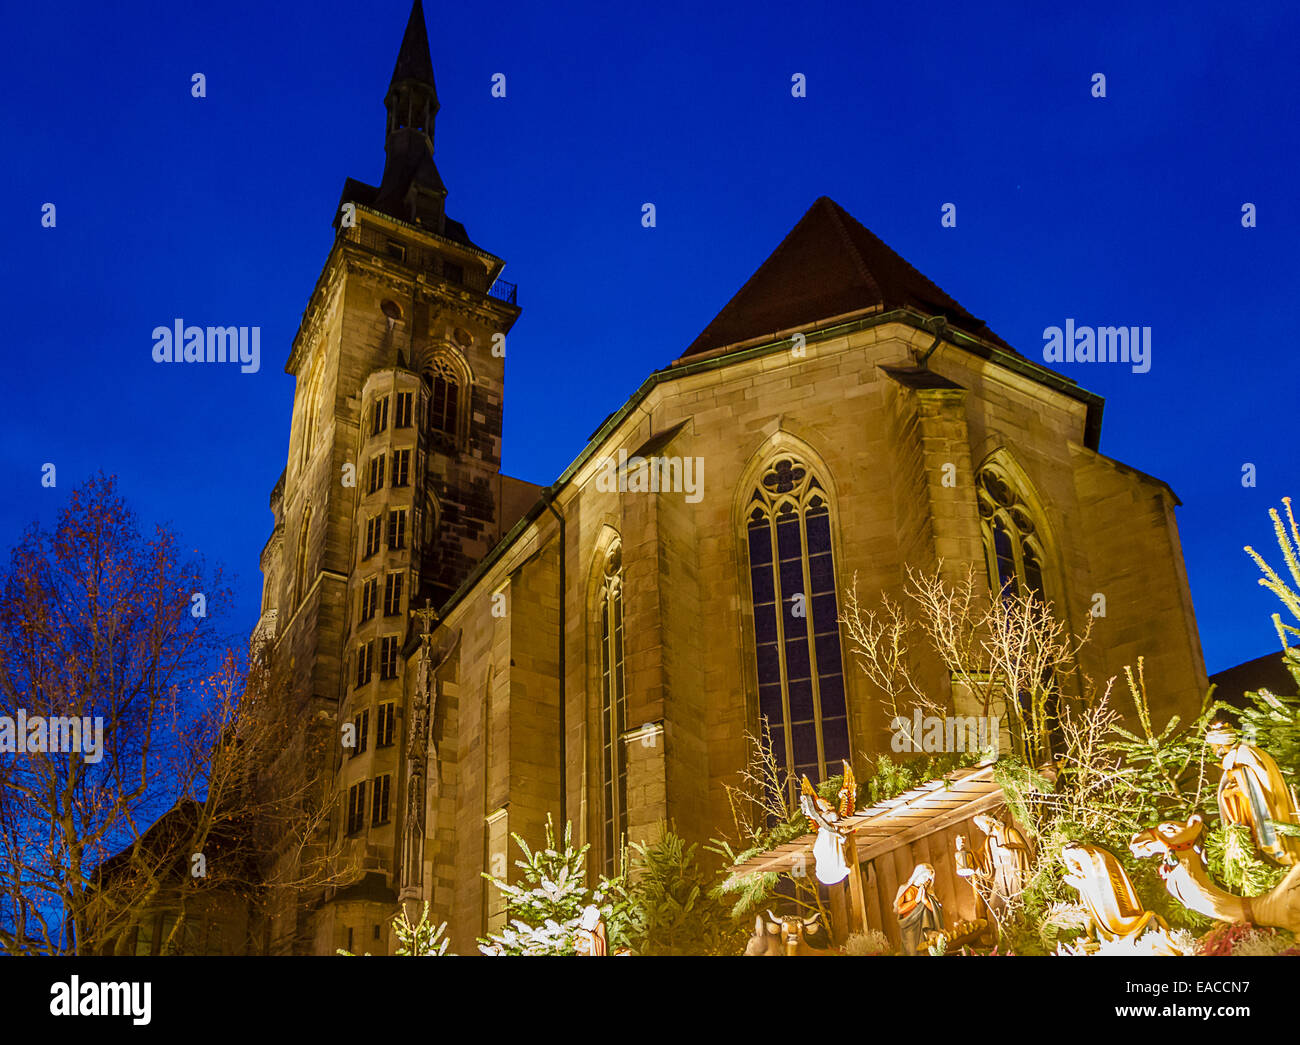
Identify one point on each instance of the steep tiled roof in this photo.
(829, 265)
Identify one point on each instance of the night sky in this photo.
(1124, 210)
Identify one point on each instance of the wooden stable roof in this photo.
(885, 826)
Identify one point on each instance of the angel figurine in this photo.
(828, 849)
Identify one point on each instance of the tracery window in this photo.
(1013, 550)
(613, 706)
(1014, 556)
(444, 398)
(796, 631)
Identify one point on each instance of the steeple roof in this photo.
(829, 265)
(413, 60)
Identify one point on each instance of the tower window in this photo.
(396, 250)
(361, 726)
(444, 399)
(356, 808)
(796, 630)
(379, 415)
(310, 410)
(613, 707)
(402, 416)
(393, 595)
(388, 657)
(452, 273)
(397, 529)
(401, 468)
(373, 527)
(369, 596)
(376, 474)
(365, 653)
(384, 727)
(379, 804)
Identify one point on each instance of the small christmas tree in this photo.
(545, 909)
(421, 939)
(672, 909)
(418, 939)
(1273, 719)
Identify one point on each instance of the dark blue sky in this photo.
(1117, 211)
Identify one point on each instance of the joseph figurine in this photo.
(1253, 792)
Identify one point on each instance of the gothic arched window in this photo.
(310, 407)
(796, 621)
(1013, 550)
(300, 563)
(445, 393)
(613, 707)
(1014, 553)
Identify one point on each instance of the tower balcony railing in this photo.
(502, 290)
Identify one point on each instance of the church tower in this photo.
(392, 493)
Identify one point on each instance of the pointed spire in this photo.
(411, 187)
(413, 61)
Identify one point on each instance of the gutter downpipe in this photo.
(548, 499)
(940, 328)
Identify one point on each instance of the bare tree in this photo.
(231, 812)
(156, 795)
(1010, 652)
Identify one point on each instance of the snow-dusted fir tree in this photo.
(544, 910)
(420, 939)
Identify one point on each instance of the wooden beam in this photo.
(990, 801)
(896, 821)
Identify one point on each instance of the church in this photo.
(481, 652)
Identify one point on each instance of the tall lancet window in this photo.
(1014, 557)
(300, 563)
(1013, 550)
(613, 707)
(796, 630)
(310, 406)
(444, 398)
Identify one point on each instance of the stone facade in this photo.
(880, 448)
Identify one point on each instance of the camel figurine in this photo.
(1183, 869)
(1122, 925)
